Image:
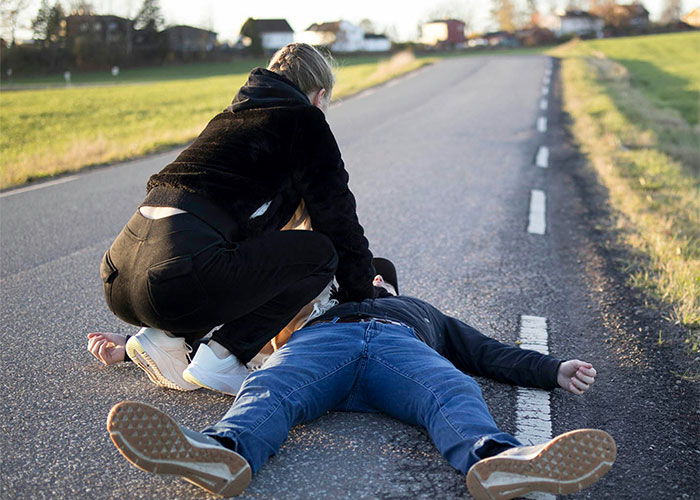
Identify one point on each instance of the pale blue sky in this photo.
(226, 16)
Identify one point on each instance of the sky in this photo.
(225, 17)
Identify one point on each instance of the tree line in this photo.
(78, 38)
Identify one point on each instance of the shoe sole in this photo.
(567, 464)
(154, 442)
(139, 356)
(194, 380)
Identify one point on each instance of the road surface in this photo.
(444, 163)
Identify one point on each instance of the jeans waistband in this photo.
(358, 319)
(199, 206)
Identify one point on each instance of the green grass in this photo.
(50, 131)
(138, 75)
(666, 68)
(646, 153)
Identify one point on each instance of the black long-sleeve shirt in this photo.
(468, 349)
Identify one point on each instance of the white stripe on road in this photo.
(546, 81)
(548, 72)
(541, 124)
(538, 208)
(533, 419)
(38, 186)
(542, 159)
(543, 103)
(545, 90)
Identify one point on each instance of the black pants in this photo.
(180, 275)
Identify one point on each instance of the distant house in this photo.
(272, 34)
(100, 29)
(534, 35)
(339, 36)
(501, 39)
(447, 33)
(573, 22)
(376, 43)
(188, 39)
(692, 18)
(634, 15)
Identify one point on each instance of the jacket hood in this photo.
(266, 89)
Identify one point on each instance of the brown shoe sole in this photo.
(154, 442)
(567, 464)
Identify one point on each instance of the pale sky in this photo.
(226, 16)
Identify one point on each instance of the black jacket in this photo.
(468, 349)
(271, 146)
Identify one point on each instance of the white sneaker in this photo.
(222, 375)
(566, 464)
(162, 357)
(257, 362)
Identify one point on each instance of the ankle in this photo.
(220, 351)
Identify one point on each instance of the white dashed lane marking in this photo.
(538, 208)
(38, 186)
(533, 419)
(542, 159)
(541, 124)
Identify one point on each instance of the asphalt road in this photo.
(441, 163)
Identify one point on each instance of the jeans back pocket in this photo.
(174, 288)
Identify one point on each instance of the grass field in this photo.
(634, 102)
(666, 68)
(49, 131)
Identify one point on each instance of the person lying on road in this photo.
(378, 358)
(468, 349)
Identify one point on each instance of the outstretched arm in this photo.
(576, 376)
(109, 348)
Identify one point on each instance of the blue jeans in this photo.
(367, 367)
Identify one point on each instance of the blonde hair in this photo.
(305, 67)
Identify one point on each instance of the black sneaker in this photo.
(154, 442)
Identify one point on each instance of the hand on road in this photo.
(576, 376)
(107, 347)
(379, 281)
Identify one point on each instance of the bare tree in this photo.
(672, 11)
(82, 7)
(531, 7)
(503, 12)
(368, 26)
(10, 12)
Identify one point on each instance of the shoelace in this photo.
(188, 352)
(254, 365)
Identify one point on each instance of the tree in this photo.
(82, 8)
(149, 18)
(503, 12)
(10, 12)
(41, 21)
(47, 23)
(531, 7)
(672, 11)
(368, 26)
(250, 31)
